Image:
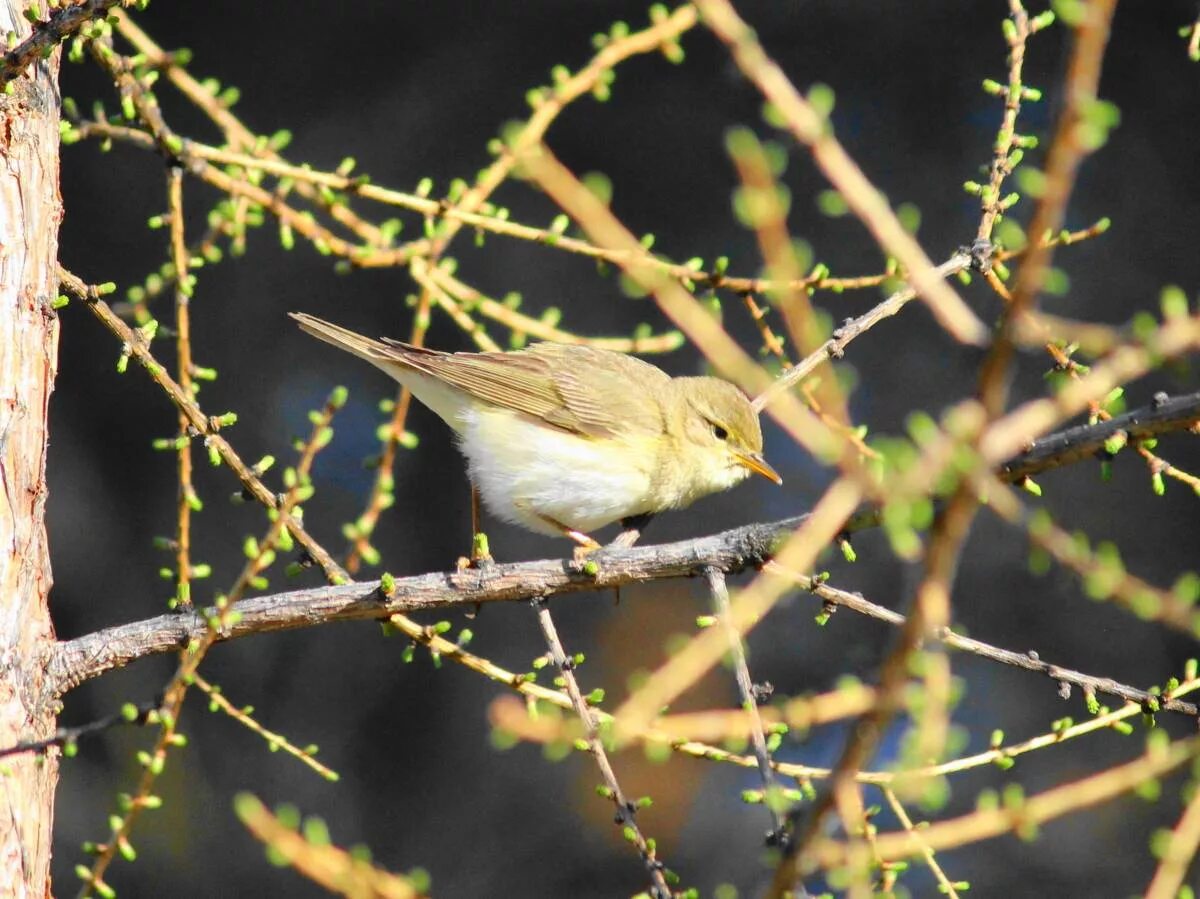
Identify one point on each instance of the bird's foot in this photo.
(584, 548)
(585, 545)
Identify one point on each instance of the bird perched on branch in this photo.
(564, 439)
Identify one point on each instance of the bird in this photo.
(564, 439)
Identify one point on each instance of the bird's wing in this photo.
(576, 388)
(607, 392)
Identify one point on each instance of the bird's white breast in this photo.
(527, 472)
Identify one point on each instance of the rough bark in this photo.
(30, 211)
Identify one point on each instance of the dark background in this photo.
(416, 90)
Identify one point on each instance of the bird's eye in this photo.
(719, 432)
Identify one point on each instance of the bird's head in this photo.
(721, 434)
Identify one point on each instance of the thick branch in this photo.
(62, 24)
(76, 661)
(1073, 444)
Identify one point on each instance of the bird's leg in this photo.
(631, 530)
(586, 545)
(480, 553)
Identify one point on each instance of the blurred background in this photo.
(417, 90)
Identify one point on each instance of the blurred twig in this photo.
(835, 346)
(813, 129)
(310, 853)
(945, 887)
(1178, 854)
(684, 731)
(1024, 815)
(186, 500)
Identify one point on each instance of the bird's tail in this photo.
(410, 365)
(375, 351)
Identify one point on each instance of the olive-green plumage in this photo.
(566, 438)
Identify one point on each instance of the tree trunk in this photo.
(30, 211)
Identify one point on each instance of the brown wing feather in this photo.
(606, 392)
(510, 380)
(576, 388)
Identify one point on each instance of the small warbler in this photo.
(564, 439)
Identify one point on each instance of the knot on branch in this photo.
(980, 252)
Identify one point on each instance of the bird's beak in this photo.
(757, 464)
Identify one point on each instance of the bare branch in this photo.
(46, 35)
(1030, 660)
(76, 661)
(626, 814)
(83, 658)
(836, 345)
(1085, 441)
(746, 693)
(65, 736)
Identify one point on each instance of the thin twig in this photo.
(990, 200)
(205, 426)
(813, 129)
(138, 715)
(1026, 816)
(236, 134)
(1178, 854)
(370, 256)
(944, 884)
(835, 346)
(46, 35)
(626, 815)
(219, 702)
(719, 592)
(1030, 661)
(663, 31)
(186, 498)
(1062, 162)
